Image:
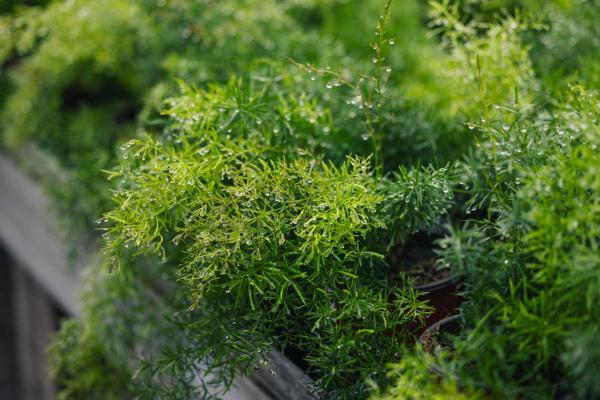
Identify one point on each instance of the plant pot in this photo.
(416, 258)
(442, 296)
(429, 337)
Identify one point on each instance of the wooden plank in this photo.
(27, 232)
(9, 377)
(284, 380)
(34, 322)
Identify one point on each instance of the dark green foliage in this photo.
(531, 269)
(7, 6)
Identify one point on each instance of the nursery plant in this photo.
(274, 240)
(296, 242)
(530, 271)
(268, 159)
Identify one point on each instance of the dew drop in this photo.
(392, 41)
(365, 136)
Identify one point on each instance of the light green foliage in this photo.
(412, 378)
(273, 239)
(569, 48)
(564, 42)
(99, 43)
(488, 65)
(73, 92)
(76, 74)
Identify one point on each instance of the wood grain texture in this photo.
(284, 380)
(35, 322)
(27, 232)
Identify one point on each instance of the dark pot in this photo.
(429, 337)
(412, 257)
(442, 296)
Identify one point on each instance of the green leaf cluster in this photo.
(530, 267)
(278, 246)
